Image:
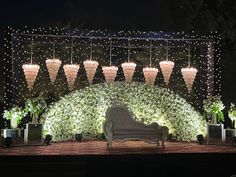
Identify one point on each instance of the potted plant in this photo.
(35, 107)
(15, 114)
(213, 107)
(232, 113)
(34, 131)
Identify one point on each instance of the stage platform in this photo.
(127, 147)
(132, 158)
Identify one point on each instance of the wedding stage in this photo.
(164, 95)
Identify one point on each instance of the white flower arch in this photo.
(84, 110)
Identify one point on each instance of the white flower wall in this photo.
(84, 110)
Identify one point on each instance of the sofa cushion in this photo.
(136, 132)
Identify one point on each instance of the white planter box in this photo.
(215, 134)
(33, 134)
(229, 136)
(13, 133)
(16, 134)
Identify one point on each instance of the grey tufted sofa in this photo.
(119, 124)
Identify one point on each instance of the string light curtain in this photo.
(53, 65)
(189, 73)
(150, 72)
(90, 65)
(166, 67)
(128, 67)
(110, 71)
(18, 39)
(30, 70)
(71, 70)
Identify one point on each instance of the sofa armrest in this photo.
(108, 131)
(164, 132)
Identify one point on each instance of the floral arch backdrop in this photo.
(84, 110)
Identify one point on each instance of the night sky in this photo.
(158, 15)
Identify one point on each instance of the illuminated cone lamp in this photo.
(189, 74)
(128, 67)
(53, 65)
(166, 67)
(90, 66)
(110, 71)
(30, 70)
(150, 72)
(71, 71)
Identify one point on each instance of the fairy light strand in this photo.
(71, 51)
(167, 48)
(128, 50)
(31, 50)
(110, 51)
(53, 54)
(91, 49)
(189, 55)
(150, 53)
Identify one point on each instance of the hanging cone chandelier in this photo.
(150, 73)
(189, 74)
(110, 71)
(128, 67)
(166, 67)
(53, 65)
(90, 66)
(71, 70)
(30, 70)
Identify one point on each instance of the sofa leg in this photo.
(109, 143)
(158, 143)
(163, 144)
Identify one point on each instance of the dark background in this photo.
(158, 15)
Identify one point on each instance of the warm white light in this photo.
(150, 75)
(90, 68)
(30, 72)
(71, 71)
(166, 69)
(109, 73)
(189, 74)
(128, 68)
(53, 66)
